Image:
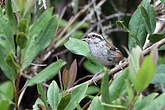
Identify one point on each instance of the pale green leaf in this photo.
(145, 74)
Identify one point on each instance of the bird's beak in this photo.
(84, 39)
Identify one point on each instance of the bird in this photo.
(103, 51)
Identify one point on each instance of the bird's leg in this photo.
(120, 65)
(94, 77)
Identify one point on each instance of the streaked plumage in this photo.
(103, 51)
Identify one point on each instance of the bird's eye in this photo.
(93, 35)
(113, 48)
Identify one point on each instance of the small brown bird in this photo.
(103, 51)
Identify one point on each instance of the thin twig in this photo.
(88, 76)
(60, 53)
(82, 22)
(114, 6)
(98, 18)
(105, 19)
(122, 65)
(109, 31)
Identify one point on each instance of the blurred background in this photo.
(76, 19)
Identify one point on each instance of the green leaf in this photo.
(114, 106)
(77, 95)
(52, 95)
(6, 32)
(134, 63)
(96, 104)
(41, 33)
(11, 63)
(10, 15)
(145, 74)
(8, 71)
(64, 102)
(151, 13)
(121, 24)
(146, 19)
(141, 103)
(118, 86)
(104, 88)
(157, 104)
(46, 74)
(78, 47)
(92, 66)
(130, 91)
(6, 95)
(159, 74)
(23, 25)
(163, 1)
(42, 93)
(22, 39)
(40, 24)
(137, 25)
(156, 37)
(92, 90)
(6, 45)
(37, 103)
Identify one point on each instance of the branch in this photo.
(123, 65)
(82, 22)
(105, 19)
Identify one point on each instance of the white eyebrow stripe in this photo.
(93, 33)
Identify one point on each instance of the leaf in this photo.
(40, 24)
(41, 33)
(4, 66)
(92, 66)
(163, 1)
(121, 24)
(157, 104)
(137, 25)
(114, 106)
(46, 74)
(64, 102)
(96, 104)
(6, 45)
(52, 95)
(145, 74)
(146, 19)
(72, 73)
(78, 47)
(65, 78)
(11, 63)
(147, 100)
(10, 15)
(134, 63)
(77, 95)
(42, 93)
(92, 90)
(130, 91)
(118, 86)
(38, 102)
(159, 75)
(104, 88)
(6, 95)
(156, 37)
(6, 34)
